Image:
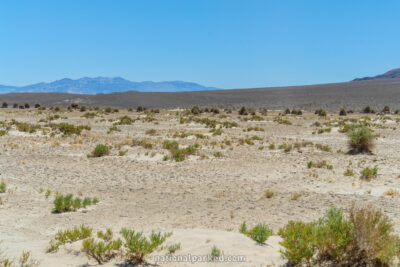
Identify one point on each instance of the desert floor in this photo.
(202, 199)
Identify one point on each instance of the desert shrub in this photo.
(151, 132)
(342, 112)
(21, 107)
(298, 242)
(321, 112)
(100, 150)
(243, 111)
(155, 110)
(104, 249)
(386, 109)
(26, 105)
(215, 110)
(173, 248)
(369, 173)
(373, 240)
(25, 260)
(143, 143)
(125, 120)
(287, 111)
(37, 105)
(365, 238)
(348, 172)
(138, 246)
(5, 104)
(259, 233)
(15, 105)
(269, 193)
(360, 139)
(69, 203)
(68, 236)
(108, 110)
(215, 253)
(82, 108)
(368, 109)
(332, 233)
(89, 115)
(68, 129)
(3, 187)
(140, 109)
(179, 154)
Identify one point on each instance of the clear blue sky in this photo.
(222, 43)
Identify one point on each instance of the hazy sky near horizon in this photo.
(221, 43)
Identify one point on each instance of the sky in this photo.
(221, 43)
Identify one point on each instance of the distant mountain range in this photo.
(391, 74)
(102, 85)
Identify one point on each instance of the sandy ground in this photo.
(202, 199)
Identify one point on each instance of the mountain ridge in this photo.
(391, 74)
(104, 85)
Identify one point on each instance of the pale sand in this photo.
(197, 199)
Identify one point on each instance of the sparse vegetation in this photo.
(100, 150)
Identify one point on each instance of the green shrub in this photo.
(195, 110)
(173, 248)
(215, 252)
(342, 112)
(365, 238)
(5, 104)
(68, 236)
(369, 173)
(259, 233)
(269, 193)
(68, 129)
(298, 242)
(3, 187)
(243, 111)
(138, 246)
(100, 150)
(348, 172)
(69, 203)
(360, 139)
(104, 249)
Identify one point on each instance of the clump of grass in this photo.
(243, 111)
(321, 112)
(360, 139)
(295, 196)
(68, 236)
(104, 249)
(365, 238)
(68, 129)
(138, 246)
(319, 164)
(269, 193)
(259, 233)
(179, 154)
(143, 143)
(100, 150)
(349, 172)
(392, 192)
(342, 112)
(369, 173)
(173, 248)
(3, 187)
(69, 203)
(215, 253)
